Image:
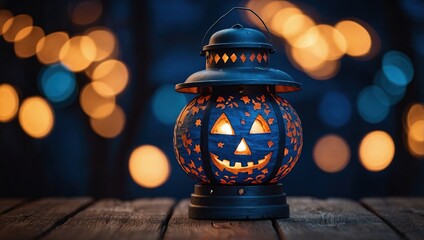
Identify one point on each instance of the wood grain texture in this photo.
(8, 203)
(114, 219)
(406, 215)
(33, 219)
(331, 219)
(182, 227)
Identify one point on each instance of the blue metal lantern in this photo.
(238, 138)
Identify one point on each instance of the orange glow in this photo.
(416, 148)
(26, 41)
(4, 16)
(358, 39)
(13, 25)
(260, 126)
(222, 126)
(376, 151)
(414, 114)
(271, 8)
(112, 73)
(326, 70)
(95, 105)
(110, 126)
(335, 40)
(243, 148)
(149, 167)
(36, 117)
(9, 102)
(295, 25)
(105, 42)
(78, 53)
(87, 12)
(331, 153)
(308, 58)
(281, 17)
(48, 48)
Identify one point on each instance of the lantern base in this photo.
(238, 202)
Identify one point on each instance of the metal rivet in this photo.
(240, 90)
(241, 191)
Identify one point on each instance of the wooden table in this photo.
(157, 218)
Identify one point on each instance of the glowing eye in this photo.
(222, 126)
(260, 126)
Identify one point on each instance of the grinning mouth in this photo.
(237, 167)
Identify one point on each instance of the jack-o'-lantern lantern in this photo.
(238, 138)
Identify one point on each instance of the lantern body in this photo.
(233, 138)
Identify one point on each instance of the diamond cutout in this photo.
(225, 58)
(265, 57)
(243, 57)
(252, 57)
(259, 58)
(217, 57)
(233, 57)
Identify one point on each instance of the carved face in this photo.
(244, 141)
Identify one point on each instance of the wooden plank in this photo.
(182, 227)
(8, 203)
(405, 215)
(114, 219)
(36, 218)
(331, 219)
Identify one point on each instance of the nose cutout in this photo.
(243, 148)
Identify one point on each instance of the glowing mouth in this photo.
(238, 168)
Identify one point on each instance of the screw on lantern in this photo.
(202, 52)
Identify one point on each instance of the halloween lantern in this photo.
(238, 139)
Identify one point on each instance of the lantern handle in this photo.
(225, 14)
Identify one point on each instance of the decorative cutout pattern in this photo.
(253, 57)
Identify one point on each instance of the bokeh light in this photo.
(94, 104)
(149, 167)
(413, 121)
(167, 104)
(358, 39)
(9, 102)
(335, 109)
(86, 12)
(112, 73)
(78, 53)
(376, 151)
(397, 67)
(58, 84)
(373, 104)
(394, 92)
(331, 153)
(4, 16)
(326, 70)
(416, 148)
(48, 48)
(110, 126)
(26, 41)
(36, 117)
(15, 24)
(105, 42)
(414, 113)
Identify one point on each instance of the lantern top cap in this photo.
(238, 37)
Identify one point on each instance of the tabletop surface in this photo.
(165, 218)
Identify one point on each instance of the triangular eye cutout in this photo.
(260, 126)
(222, 126)
(243, 148)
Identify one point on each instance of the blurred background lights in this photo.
(4, 16)
(376, 151)
(413, 121)
(335, 109)
(15, 24)
(86, 12)
(26, 41)
(331, 153)
(9, 102)
(358, 39)
(110, 126)
(58, 84)
(373, 104)
(94, 104)
(36, 117)
(394, 92)
(397, 67)
(48, 48)
(149, 167)
(105, 42)
(167, 104)
(112, 73)
(78, 53)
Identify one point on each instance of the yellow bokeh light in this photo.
(13, 25)
(416, 131)
(416, 148)
(335, 40)
(36, 117)
(326, 70)
(48, 48)
(331, 153)
(110, 126)
(9, 102)
(26, 41)
(149, 167)
(95, 105)
(280, 18)
(307, 58)
(105, 42)
(4, 16)
(376, 151)
(295, 25)
(112, 73)
(78, 53)
(86, 12)
(414, 114)
(358, 39)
